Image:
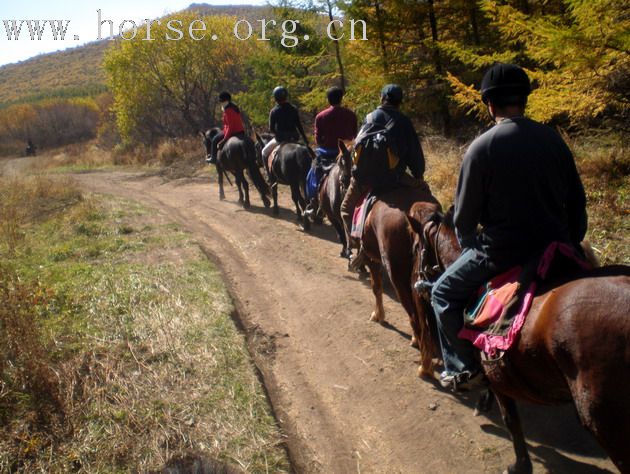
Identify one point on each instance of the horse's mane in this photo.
(449, 218)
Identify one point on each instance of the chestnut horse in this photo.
(332, 191)
(387, 241)
(573, 348)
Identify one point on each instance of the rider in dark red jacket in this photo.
(232, 125)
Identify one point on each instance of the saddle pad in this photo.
(495, 298)
(272, 156)
(505, 323)
(360, 214)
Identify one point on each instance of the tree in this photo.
(168, 86)
(578, 58)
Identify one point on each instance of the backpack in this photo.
(375, 159)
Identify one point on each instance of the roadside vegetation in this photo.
(117, 347)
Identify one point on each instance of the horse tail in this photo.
(254, 171)
(304, 159)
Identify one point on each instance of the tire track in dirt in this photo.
(344, 389)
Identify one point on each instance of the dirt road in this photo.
(344, 389)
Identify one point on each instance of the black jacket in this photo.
(285, 124)
(519, 181)
(406, 139)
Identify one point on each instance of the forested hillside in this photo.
(575, 51)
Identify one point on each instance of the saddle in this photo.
(324, 162)
(494, 320)
(361, 212)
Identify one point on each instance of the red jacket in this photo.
(232, 122)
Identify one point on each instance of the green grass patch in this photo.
(130, 325)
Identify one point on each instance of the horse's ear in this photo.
(415, 220)
(421, 213)
(342, 147)
(201, 134)
(258, 139)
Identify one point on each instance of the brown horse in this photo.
(573, 348)
(332, 191)
(388, 243)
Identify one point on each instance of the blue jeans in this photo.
(449, 297)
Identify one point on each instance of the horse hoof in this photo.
(266, 202)
(246, 205)
(519, 468)
(424, 373)
(414, 343)
(221, 198)
(318, 221)
(374, 317)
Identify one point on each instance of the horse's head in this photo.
(344, 160)
(435, 237)
(207, 137)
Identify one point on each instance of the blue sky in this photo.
(83, 20)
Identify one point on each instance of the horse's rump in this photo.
(578, 331)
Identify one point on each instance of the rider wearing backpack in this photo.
(386, 146)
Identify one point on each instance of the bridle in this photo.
(344, 176)
(429, 271)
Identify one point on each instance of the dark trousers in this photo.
(215, 142)
(449, 297)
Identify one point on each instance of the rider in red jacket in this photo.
(232, 125)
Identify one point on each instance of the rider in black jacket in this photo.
(284, 122)
(519, 183)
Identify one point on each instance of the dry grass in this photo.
(171, 158)
(26, 200)
(122, 353)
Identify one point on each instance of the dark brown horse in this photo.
(573, 348)
(332, 191)
(237, 156)
(289, 167)
(388, 243)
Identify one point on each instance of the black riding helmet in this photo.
(507, 83)
(223, 96)
(280, 93)
(392, 93)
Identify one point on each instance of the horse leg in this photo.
(274, 195)
(509, 413)
(239, 187)
(220, 179)
(604, 412)
(341, 234)
(484, 404)
(245, 185)
(378, 315)
(300, 205)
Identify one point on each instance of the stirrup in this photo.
(423, 285)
